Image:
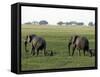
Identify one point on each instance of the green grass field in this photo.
(57, 40)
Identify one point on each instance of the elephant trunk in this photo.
(69, 47)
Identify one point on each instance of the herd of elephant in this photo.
(75, 42)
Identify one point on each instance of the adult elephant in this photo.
(38, 43)
(81, 43)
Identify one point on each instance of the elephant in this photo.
(49, 53)
(38, 43)
(92, 50)
(81, 43)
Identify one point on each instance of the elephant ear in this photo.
(74, 39)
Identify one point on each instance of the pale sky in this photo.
(54, 15)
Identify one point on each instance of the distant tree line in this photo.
(45, 22)
(42, 22)
(75, 23)
(70, 23)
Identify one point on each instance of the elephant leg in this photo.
(37, 52)
(33, 50)
(69, 53)
(79, 53)
(84, 52)
(45, 52)
(73, 50)
(91, 54)
(69, 47)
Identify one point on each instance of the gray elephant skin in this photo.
(38, 43)
(81, 43)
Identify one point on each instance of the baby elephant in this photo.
(92, 50)
(81, 43)
(49, 53)
(38, 43)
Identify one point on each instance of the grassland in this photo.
(57, 40)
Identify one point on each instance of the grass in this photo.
(57, 40)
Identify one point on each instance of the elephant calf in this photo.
(81, 43)
(92, 51)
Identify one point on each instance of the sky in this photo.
(54, 15)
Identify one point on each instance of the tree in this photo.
(43, 22)
(60, 23)
(80, 23)
(28, 23)
(90, 24)
(67, 23)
